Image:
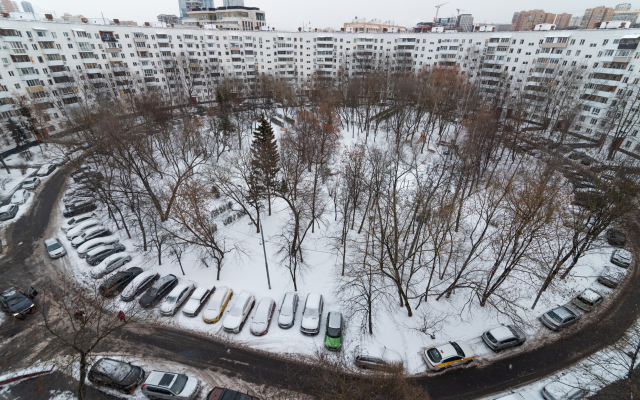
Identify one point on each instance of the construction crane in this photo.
(438, 10)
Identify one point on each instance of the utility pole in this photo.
(264, 249)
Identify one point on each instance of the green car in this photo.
(333, 336)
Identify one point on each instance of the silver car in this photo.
(176, 297)
(20, 196)
(197, 300)
(287, 312)
(110, 264)
(73, 222)
(54, 248)
(171, 386)
(561, 391)
(587, 300)
(31, 183)
(560, 317)
(312, 314)
(8, 212)
(503, 337)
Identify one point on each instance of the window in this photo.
(604, 43)
(581, 42)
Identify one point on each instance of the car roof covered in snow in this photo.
(622, 253)
(334, 319)
(179, 288)
(447, 350)
(501, 333)
(6, 208)
(563, 312)
(51, 241)
(591, 295)
(313, 300)
(220, 293)
(199, 292)
(614, 272)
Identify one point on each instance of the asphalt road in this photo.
(23, 265)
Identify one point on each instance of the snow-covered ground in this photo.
(393, 328)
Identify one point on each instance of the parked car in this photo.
(216, 305)
(81, 227)
(46, 169)
(20, 196)
(288, 308)
(176, 298)
(608, 175)
(139, 284)
(583, 183)
(119, 375)
(219, 393)
(237, 315)
(376, 357)
(8, 212)
(587, 300)
(31, 183)
(91, 233)
(93, 243)
(518, 396)
(118, 281)
(262, 316)
(80, 208)
(622, 258)
(334, 330)
(616, 238)
(312, 314)
(73, 222)
(158, 290)
(611, 276)
(55, 249)
(78, 195)
(448, 355)
(559, 317)
(503, 337)
(97, 254)
(110, 263)
(586, 161)
(560, 391)
(18, 303)
(75, 200)
(171, 386)
(197, 300)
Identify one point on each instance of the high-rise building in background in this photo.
(27, 7)
(8, 6)
(239, 18)
(626, 15)
(623, 7)
(464, 23)
(207, 4)
(182, 5)
(527, 20)
(233, 3)
(597, 15)
(562, 21)
(168, 18)
(575, 21)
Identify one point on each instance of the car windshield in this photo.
(513, 331)
(458, 349)
(237, 308)
(434, 355)
(214, 304)
(554, 316)
(179, 384)
(333, 332)
(171, 299)
(287, 309)
(54, 246)
(12, 301)
(311, 312)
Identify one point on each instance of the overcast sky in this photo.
(290, 14)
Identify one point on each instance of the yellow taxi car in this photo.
(448, 355)
(216, 305)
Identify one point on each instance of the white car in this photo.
(170, 385)
(622, 258)
(518, 396)
(176, 297)
(31, 183)
(46, 169)
(20, 196)
(81, 227)
(448, 355)
(312, 314)
(93, 243)
(139, 284)
(110, 264)
(561, 391)
(197, 300)
(216, 305)
(73, 222)
(235, 319)
(54, 248)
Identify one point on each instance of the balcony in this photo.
(164, 40)
(121, 78)
(35, 89)
(114, 57)
(139, 40)
(81, 39)
(555, 45)
(190, 40)
(6, 107)
(50, 51)
(13, 38)
(55, 63)
(26, 64)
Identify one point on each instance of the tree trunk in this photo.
(6, 167)
(83, 376)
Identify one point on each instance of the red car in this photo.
(227, 394)
(262, 316)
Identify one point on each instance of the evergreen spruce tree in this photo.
(265, 159)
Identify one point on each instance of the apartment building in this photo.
(372, 26)
(626, 15)
(464, 23)
(526, 20)
(623, 7)
(236, 18)
(594, 16)
(562, 21)
(39, 57)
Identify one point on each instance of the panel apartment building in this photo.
(40, 56)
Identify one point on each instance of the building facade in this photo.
(595, 16)
(562, 21)
(168, 19)
(43, 61)
(627, 15)
(234, 18)
(464, 23)
(623, 7)
(372, 26)
(27, 7)
(8, 6)
(233, 3)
